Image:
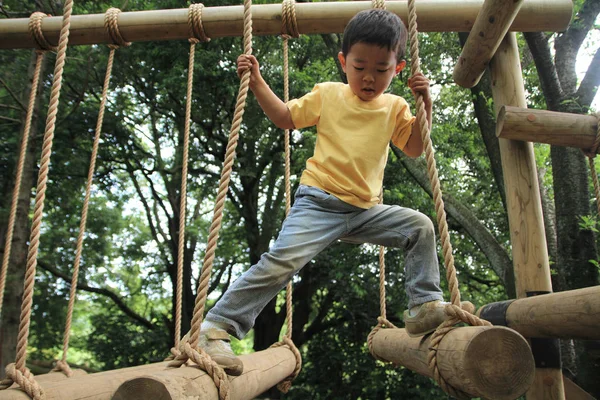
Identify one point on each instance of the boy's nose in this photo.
(368, 78)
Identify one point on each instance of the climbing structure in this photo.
(487, 361)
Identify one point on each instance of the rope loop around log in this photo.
(289, 27)
(63, 366)
(285, 385)
(24, 378)
(111, 23)
(196, 27)
(35, 30)
(382, 322)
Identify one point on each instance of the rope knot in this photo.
(63, 366)
(195, 25)
(289, 28)
(111, 23)
(25, 379)
(285, 385)
(35, 30)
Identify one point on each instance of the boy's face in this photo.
(370, 69)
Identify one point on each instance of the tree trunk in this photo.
(9, 325)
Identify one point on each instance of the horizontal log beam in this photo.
(103, 385)
(490, 362)
(312, 18)
(490, 27)
(261, 372)
(573, 314)
(541, 126)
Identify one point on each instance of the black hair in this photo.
(376, 26)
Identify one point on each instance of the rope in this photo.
(110, 23)
(35, 27)
(35, 30)
(196, 32)
(378, 4)
(591, 154)
(453, 310)
(289, 30)
(18, 372)
(190, 352)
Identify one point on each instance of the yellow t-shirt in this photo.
(352, 139)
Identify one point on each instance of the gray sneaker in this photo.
(429, 317)
(215, 342)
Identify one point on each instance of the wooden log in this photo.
(103, 385)
(573, 314)
(541, 126)
(491, 362)
(97, 386)
(489, 29)
(528, 237)
(312, 18)
(261, 371)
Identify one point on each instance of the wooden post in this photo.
(312, 18)
(551, 127)
(55, 376)
(492, 362)
(268, 369)
(573, 314)
(528, 238)
(490, 27)
(103, 385)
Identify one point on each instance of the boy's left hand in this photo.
(419, 84)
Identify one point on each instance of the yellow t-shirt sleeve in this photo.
(404, 123)
(306, 110)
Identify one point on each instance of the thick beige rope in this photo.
(35, 30)
(454, 311)
(289, 30)
(110, 23)
(197, 34)
(591, 154)
(18, 372)
(190, 349)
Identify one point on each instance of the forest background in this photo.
(125, 305)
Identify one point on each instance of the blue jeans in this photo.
(316, 220)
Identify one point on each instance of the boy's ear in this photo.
(400, 66)
(342, 61)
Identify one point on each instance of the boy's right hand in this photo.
(248, 62)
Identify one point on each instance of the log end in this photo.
(131, 389)
(501, 360)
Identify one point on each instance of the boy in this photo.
(338, 196)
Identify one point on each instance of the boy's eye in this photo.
(382, 70)
(359, 68)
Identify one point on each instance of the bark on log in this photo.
(573, 314)
(541, 126)
(312, 18)
(261, 372)
(489, 29)
(490, 362)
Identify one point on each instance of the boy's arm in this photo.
(418, 84)
(272, 105)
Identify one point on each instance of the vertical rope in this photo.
(197, 34)
(289, 29)
(190, 348)
(19, 372)
(110, 23)
(35, 30)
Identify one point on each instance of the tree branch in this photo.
(102, 291)
(13, 95)
(544, 63)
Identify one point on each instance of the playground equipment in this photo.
(509, 367)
